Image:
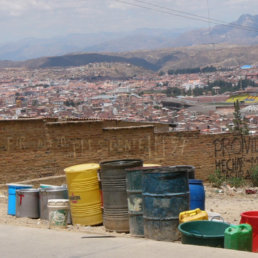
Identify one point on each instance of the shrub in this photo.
(216, 179)
(236, 181)
(254, 176)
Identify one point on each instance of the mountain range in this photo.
(244, 31)
(221, 56)
(90, 42)
(237, 33)
(197, 49)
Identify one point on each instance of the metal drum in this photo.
(27, 203)
(134, 198)
(113, 181)
(190, 170)
(165, 195)
(45, 194)
(84, 194)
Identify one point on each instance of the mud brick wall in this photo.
(41, 148)
(22, 150)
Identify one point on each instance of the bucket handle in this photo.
(218, 217)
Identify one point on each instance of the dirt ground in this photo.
(228, 202)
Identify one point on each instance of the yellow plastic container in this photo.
(84, 194)
(192, 215)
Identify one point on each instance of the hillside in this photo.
(164, 59)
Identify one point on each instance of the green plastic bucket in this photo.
(205, 233)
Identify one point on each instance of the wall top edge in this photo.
(128, 127)
(74, 122)
(21, 120)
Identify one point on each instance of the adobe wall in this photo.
(40, 148)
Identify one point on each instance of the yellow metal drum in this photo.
(84, 194)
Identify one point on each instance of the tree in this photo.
(69, 103)
(34, 102)
(161, 73)
(197, 91)
(239, 124)
(172, 92)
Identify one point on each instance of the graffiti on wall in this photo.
(235, 157)
(80, 146)
(156, 147)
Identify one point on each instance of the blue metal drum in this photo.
(12, 196)
(197, 194)
(165, 195)
(134, 198)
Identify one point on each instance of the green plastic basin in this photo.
(206, 233)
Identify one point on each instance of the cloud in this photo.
(19, 8)
(22, 7)
(43, 18)
(237, 2)
(113, 4)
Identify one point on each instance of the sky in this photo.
(52, 18)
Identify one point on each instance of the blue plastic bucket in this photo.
(197, 194)
(12, 196)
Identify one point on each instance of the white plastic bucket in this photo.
(58, 212)
(214, 216)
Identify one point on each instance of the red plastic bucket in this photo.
(251, 217)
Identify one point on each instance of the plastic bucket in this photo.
(251, 217)
(214, 216)
(12, 196)
(58, 212)
(205, 233)
(197, 194)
